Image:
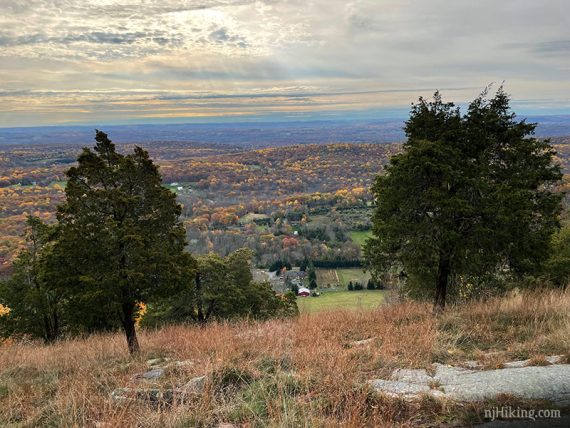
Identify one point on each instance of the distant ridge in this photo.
(263, 134)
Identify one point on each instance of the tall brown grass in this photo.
(300, 372)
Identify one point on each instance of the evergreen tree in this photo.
(557, 267)
(295, 289)
(275, 266)
(121, 232)
(312, 276)
(469, 196)
(36, 305)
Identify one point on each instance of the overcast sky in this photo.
(145, 61)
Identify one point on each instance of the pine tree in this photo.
(470, 196)
(121, 232)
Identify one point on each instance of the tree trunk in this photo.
(443, 271)
(51, 327)
(129, 328)
(199, 303)
(49, 336)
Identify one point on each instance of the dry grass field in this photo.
(341, 299)
(302, 372)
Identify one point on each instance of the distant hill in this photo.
(250, 135)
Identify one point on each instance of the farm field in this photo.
(341, 277)
(327, 278)
(334, 300)
(360, 236)
(352, 274)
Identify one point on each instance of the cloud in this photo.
(182, 56)
(222, 35)
(556, 47)
(95, 37)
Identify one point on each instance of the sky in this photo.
(163, 61)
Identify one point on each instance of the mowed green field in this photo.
(354, 275)
(360, 236)
(349, 300)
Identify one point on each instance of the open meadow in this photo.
(360, 236)
(306, 371)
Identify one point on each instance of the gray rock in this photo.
(395, 388)
(193, 386)
(555, 359)
(151, 395)
(448, 374)
(516, 364)
(471, 364)
(161, 396)
(412, 376)
(152, 374)
(550, 383)
(536, 382)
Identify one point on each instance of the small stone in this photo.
(143, 394)
(363, 342)
(121, 394)
(151, 374)
(154, 362)
(516, 364)
(471, 364)
(555, 359)
(193, 386)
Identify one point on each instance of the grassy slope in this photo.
(298, 372)
(331, 300)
